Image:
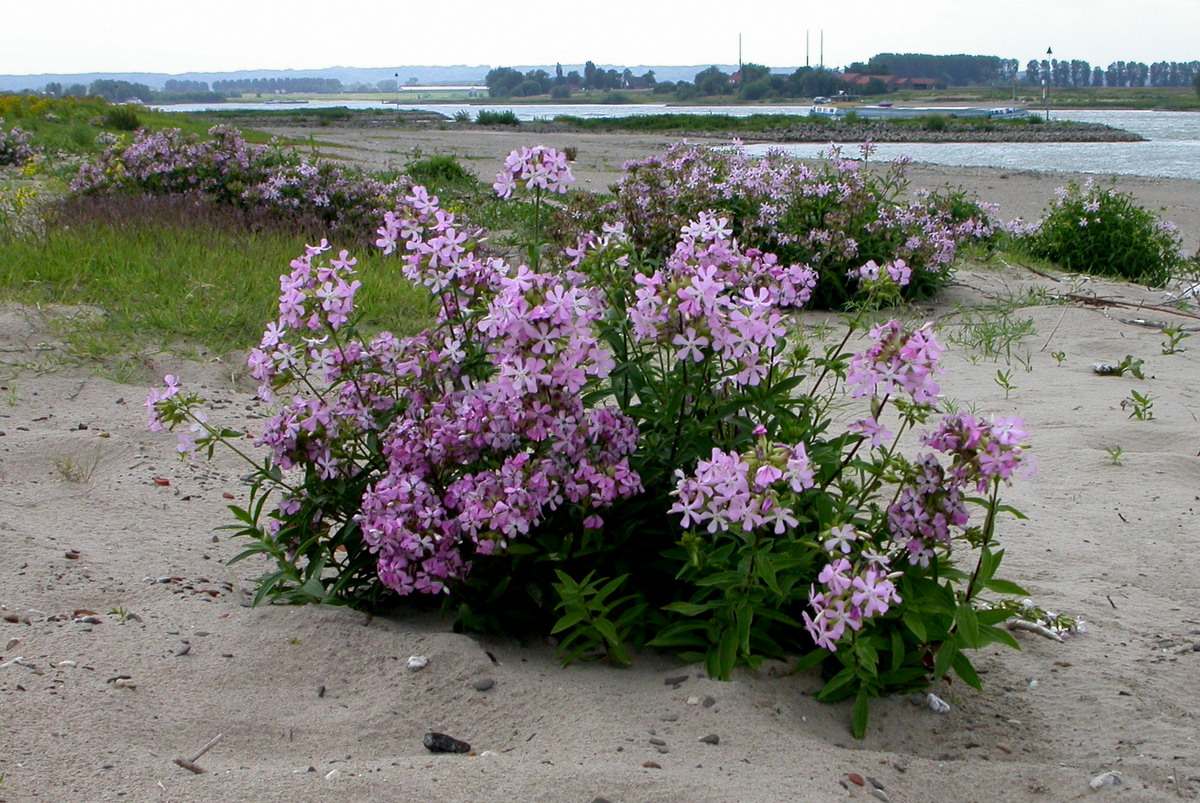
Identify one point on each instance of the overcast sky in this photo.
(164, 36)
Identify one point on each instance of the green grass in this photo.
(177, 284)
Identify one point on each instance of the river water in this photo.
(1172, 149)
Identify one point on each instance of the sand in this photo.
(317, 703)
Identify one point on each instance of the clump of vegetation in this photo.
(438, 171)
(489, 117)
(834, 216)
(122, 118)
(625, 449)
(1096, 229)
(226, 170)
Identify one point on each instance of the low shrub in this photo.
(16, 146)
(489, 117)
(834, 216)
(1097, 229)
(122, 118)
(625, 449)
(438, 171)
(226, 170)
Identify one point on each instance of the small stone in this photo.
(662, 748)
(416, 662)
(693, 700)
(875, 783)
(483, 684)
(856, 779)
(657, 741)
(937, 705)
(12, 644)
(1110, 778)
(441, 743)
(879, 794)
(66, 664)
(125, 683)
(600, 799)
(708, 702)
(711, 738)
(675, 680)
(652, 765)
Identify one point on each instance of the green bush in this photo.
(936, 122)
(122, 118)
(438, 171)
(1099, 230)
(489, 117)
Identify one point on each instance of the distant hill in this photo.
(428, 76)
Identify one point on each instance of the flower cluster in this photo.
(831, 216)
(898, 361)
(710, 297)
(502, 437)
(744, 490)
(226, 170)
(538, 168)
(982, 454)
(15, 146)
(848, 597)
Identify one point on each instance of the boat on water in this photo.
(888, 111)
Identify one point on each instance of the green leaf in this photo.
(690, 608)
(727, 653)
(964, 669)
(811, 659)
(833, 690)
(606, 629)
(1005, 587)
(862, 710)
(991, 635)
(992, 616)
(968, 626)
(570, 620)
(945, 657)
(1012, 510)
(916, 625)
(897, 649)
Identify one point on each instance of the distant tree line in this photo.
(1076, 73)
(505, 82)
(122, 91)
(956, 70)
(278, 85)
(752, 82)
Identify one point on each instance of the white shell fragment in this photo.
(937, 705)
(333, 775)
(1110, 778)
(417, 662)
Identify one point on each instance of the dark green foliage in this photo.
(438, 171)
(122, 118)
(1100, 230)
(489, 117)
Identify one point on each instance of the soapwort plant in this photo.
(627, 450)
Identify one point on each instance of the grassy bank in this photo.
(168, 274)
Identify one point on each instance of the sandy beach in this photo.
(127, 642)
